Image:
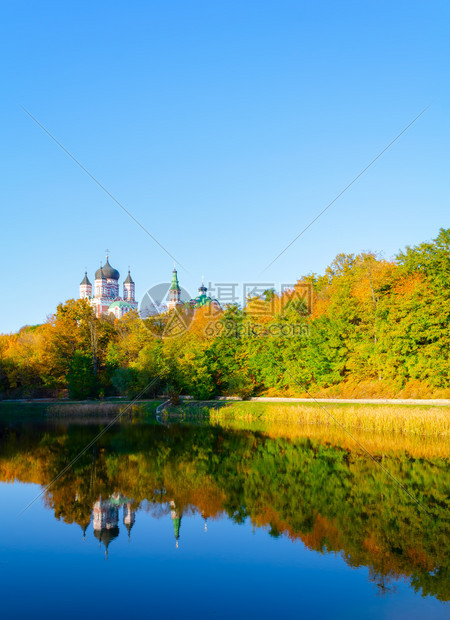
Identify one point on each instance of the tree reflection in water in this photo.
(328, 497)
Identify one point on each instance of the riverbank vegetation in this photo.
(369, 327)
(378, 444)
(400, 419)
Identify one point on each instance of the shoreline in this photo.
(435, 402)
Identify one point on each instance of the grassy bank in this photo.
(417, 446)
(426, 421)
(422, 432)
(399, 419)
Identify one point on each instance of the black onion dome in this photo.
(85, 280)
(99, 274)
(129, 279)
(109, 272)
(106, 536)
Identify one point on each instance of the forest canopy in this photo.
(375, 328)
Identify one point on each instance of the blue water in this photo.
(51, 569)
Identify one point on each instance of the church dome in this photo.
(203, 299)
(85, 280)
(120, 304)
(99, 275)
(129, 279)
(107, 272)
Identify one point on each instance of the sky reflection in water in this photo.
(291, 527)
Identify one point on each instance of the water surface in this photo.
(202, 521)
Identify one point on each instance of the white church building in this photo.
(106, 298)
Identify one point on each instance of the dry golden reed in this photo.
(418, 446)
(430, 421)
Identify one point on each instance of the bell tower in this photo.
(128, 288)
(174, 291)
(85, 287)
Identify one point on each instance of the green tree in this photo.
(81, 378)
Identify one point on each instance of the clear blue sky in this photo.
(224, 126)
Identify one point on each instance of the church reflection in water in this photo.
(330, 498)
(106, 518)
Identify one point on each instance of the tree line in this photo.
(375, 328)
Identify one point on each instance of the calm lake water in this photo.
(199, 521)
